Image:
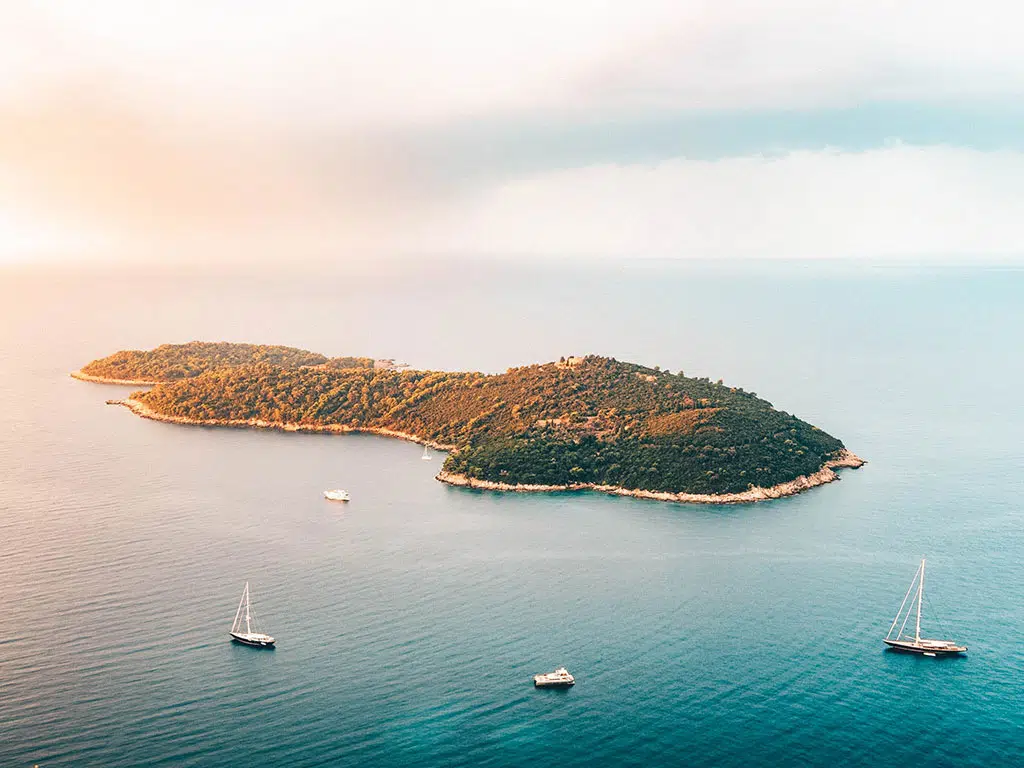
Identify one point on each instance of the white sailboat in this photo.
(245, 629)
(426, 453)
(918, 644)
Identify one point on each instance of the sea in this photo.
(410, 622)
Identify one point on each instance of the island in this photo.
(579, 423)
(170, 362)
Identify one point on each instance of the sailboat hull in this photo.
(927, 647)
(251, 642)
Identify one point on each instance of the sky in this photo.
(231, 131)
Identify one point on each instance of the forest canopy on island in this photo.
(169, 362)
(582, 420)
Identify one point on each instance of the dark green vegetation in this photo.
(181, 361)
(592, 420)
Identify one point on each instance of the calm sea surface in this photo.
(410, 621)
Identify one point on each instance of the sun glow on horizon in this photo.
(27, 241)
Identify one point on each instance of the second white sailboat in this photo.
(918, 644)
(245, 629)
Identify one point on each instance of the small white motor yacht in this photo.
(560, 678)
(337, 495)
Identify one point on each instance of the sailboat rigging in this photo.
(245, 629)
(917, 644)
(426, 453)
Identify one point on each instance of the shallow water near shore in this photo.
(410, 621)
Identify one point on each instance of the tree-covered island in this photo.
(170, 362)
(582, 422)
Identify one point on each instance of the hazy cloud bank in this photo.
(358, 129)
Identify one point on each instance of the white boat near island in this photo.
(337, 494)
(426, 453)
(918, 644)
(245, 629)
(560, 678)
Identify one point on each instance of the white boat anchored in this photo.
(337, 494)
(245, 629)
(918, 644)
(426, 453)
(560, 678)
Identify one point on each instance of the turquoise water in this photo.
(410, 621)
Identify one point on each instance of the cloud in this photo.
(391, 62)
(798, 54)
(367, 126)
(893, 202)
(85, 158)
(481, 152)
(355, 62)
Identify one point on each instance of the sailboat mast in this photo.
(249, 630)
(920, 595)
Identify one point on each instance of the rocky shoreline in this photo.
(104, 380)
(141, 409)
(826, 474)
